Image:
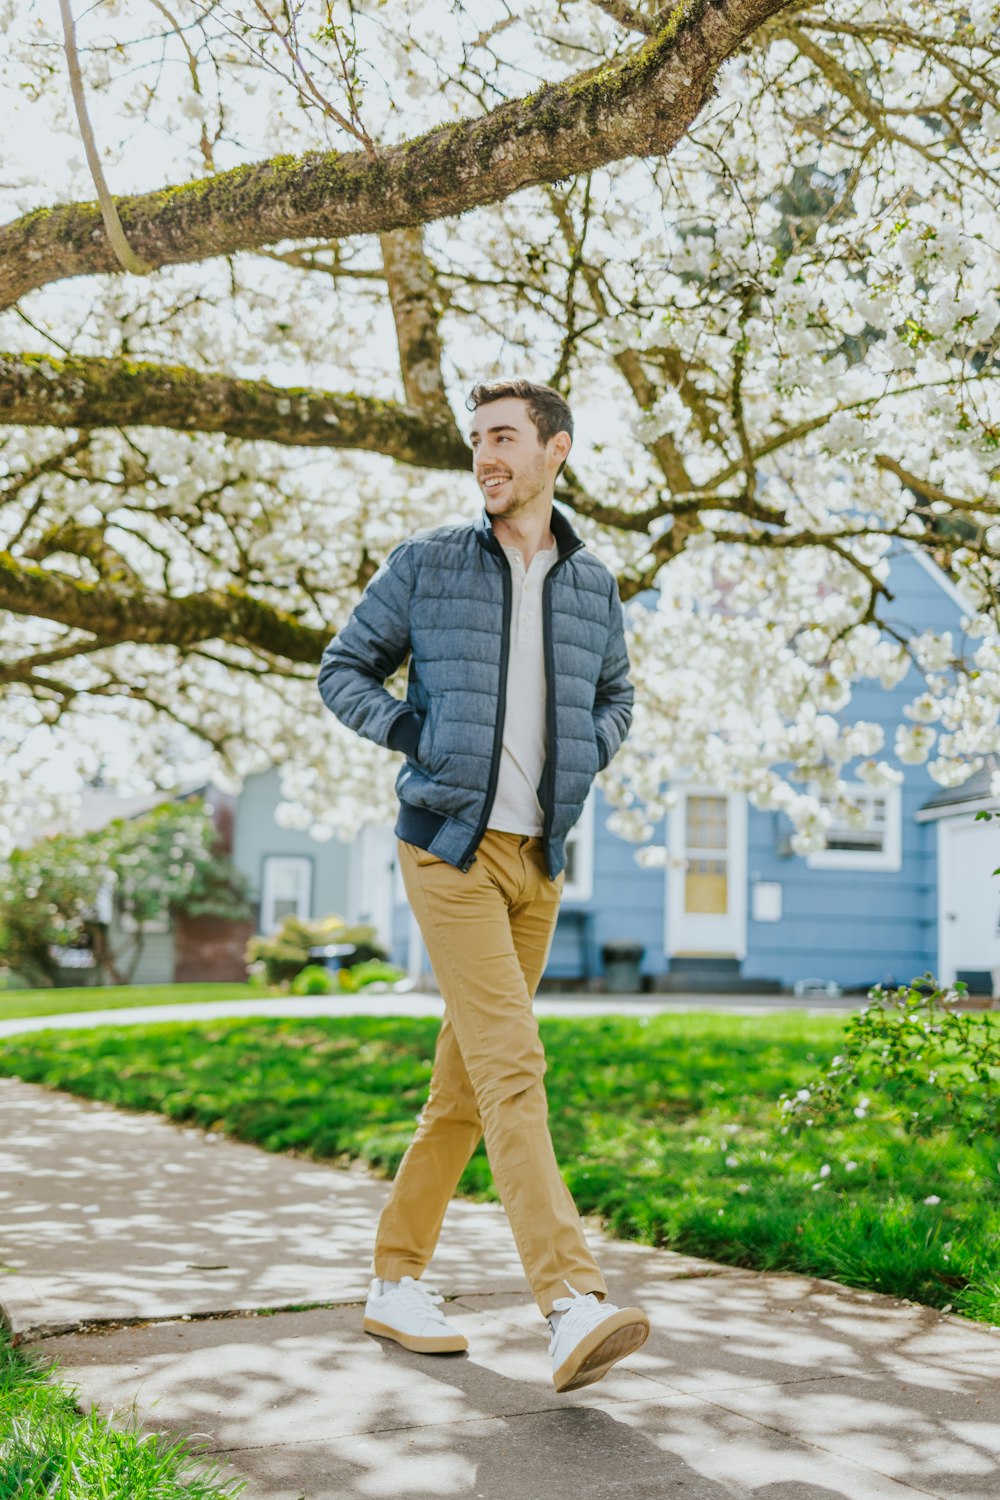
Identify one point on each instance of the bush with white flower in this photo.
(912, 1056)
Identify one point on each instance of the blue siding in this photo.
(850, 925)
(256, 834)
(628, 902)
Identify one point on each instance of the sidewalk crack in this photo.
(99, 1326)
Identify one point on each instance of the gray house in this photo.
(287, 872)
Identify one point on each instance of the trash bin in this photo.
(334, 955)
(622, 960)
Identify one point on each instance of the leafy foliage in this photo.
(929, 1065)
(165, 861)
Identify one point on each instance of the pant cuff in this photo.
(395, 1270)
(546, 1296)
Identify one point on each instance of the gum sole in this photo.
(620, 1335)
(445, 1343)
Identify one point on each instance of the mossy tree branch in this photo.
(114, 614)
(637, 105)
(415, 301)
(37, 390)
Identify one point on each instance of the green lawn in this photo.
(51, 1451)
(18, 1004)
(665, 1126)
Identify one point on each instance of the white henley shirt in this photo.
(516, 808)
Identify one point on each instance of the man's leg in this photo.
(466, 920)
(425, 1181)
(450, 1129)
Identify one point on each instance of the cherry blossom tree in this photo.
(255, 254)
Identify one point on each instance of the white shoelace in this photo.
(416, 1296)
(584, 1308)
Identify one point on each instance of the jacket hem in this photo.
(418, 825)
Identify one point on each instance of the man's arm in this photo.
(615, 694)
(371, 646)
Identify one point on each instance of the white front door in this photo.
(968, 897)
(370, 895)
(707, 894)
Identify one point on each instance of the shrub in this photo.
(286, 952)
(371, 971)
(924, 1062)
(313, 980)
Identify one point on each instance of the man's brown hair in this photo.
(546, 408)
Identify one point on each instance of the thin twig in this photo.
(126, 256)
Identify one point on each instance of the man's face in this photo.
(512, 467)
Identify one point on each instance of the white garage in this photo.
(968, 853)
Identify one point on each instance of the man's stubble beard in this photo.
(526, 489)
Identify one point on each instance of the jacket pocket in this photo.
(597, 745)
(425, 744)
(603, 758)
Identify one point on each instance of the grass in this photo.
(49, 1450)
(665, 1126)
(16, 1005)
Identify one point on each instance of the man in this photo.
(518, 694)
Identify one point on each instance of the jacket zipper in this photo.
(549, 785)
(468, 858)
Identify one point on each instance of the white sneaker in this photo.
(590, 1337)
(408, 1313)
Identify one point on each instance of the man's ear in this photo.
(560, 445)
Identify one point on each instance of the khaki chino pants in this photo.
(488, 933)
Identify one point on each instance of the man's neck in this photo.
(529, 534)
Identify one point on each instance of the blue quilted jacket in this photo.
(444, 596)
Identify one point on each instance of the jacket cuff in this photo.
(603, 754)
(404, 733)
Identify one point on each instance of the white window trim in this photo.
(889, 857)
(267, 892)
(581, 835)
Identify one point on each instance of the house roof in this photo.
(975, 790)
(98, 805)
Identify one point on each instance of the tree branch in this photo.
(122, 250)
(115, 614)
(627, 16)
(924, 489)
(638, 105)
(664, 448)
(413, 294)
(39, 391)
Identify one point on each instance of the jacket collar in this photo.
(567, 539)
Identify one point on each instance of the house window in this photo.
(286, 890)
(875, 846)
(579, 882)
(706, 879)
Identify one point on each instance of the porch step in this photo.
(706, 974)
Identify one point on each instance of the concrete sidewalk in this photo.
(418, 1003)
(144, 1256)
